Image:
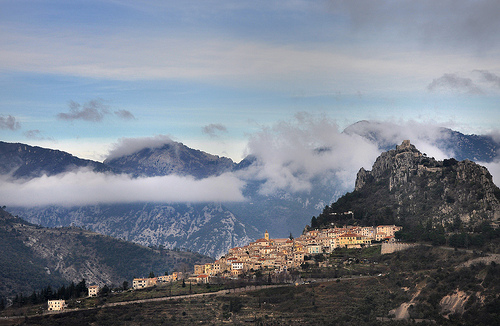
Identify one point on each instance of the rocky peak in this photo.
(418, 186)
(397, 164)
(171, 158)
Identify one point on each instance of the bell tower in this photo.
(266, 235)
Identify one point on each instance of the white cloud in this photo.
(311, 68)
(84, 187)
(494, 169)
(423, 135)
(127, 146)
(292, 153)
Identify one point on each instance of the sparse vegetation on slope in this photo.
(34, 257)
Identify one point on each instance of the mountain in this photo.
(281, 212)
(407, 187)
(171, 158)
(33, 257)
(26, 162)
(207, 228)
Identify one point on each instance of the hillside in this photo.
(433, 286)
(210, 228)
(33, 257)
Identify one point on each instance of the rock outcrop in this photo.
(405, 184)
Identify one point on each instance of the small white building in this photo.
(237, 265)
(93, 290)
(56, 305)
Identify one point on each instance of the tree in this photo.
(314, 222)
(125, 285)
(81, 288)
(151, 275)
(104, 291)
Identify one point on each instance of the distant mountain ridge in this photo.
(189, 225)
(171, 158)
(207, 228)
(26, 162)
(478, 148)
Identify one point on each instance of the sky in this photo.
(223, 76)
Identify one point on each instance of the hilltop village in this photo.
(280, 254)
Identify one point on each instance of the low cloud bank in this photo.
(84, 187)
(291, 156)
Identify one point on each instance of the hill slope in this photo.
(33, 257)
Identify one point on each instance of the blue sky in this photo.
(81, 75)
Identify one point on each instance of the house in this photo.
(237, 265)
(141, 283)
(199, 269)
(389, 230)
(93, 290)
(56, 305)
(314, 248)
(352, 240)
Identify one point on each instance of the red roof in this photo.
(345, 235)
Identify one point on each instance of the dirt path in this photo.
(486, 260)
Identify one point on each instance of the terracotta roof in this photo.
(345, 235)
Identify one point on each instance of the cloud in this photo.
(456, 24)
(213, 129)
(93, 111)
(494, 169)
(424, 135)
(292, 153)
(124, 114)
(455, 83)
(84, 187)
(127, 146)
(9, 123)
(36, 134)
(490, 77)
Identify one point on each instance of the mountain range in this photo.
(211, 227)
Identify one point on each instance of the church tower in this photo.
(266, 235)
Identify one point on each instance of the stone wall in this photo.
(388, 248)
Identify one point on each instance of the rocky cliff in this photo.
(405, 185)
(210, 229)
